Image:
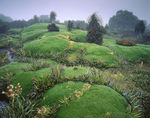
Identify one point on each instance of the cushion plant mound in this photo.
(25, 80)
(46, 45)
(96, 102)
(75, 72)
(131, 53)
(59, 91)
(14, 67)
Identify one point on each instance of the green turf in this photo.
(14, 67)
(3, 42)
(75, 72)
(9, 41)
(94, 103)
(35, 31)
(96, 53)
(14, 31)
(44, 41)
(132, 53)
(25, 79)
(49, 44)
(58, 92)
(78, 35)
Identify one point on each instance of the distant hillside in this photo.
(5, 18)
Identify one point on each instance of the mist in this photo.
(73, 9)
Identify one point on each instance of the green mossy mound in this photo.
(94, 103)
(75, 72)
(14, 67)
(46, 45)
(52, 42)
(25, 80)
(136, 53)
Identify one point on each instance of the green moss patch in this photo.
(46, 45)
(74, 72)
(133, 53)
(94, 103)
(14, 67)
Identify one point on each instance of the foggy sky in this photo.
(73, 9)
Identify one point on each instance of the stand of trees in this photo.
(52, 17)
(69, 25)
(142, 32)
(5, 18)
(123, 21)
(140, 28)
(3, 27)
(7, 23)
(77, 24)
(147, 28)
(44, 18)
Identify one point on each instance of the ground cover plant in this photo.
(63, 76)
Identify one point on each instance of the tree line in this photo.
(124, 22)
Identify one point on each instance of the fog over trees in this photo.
(123, 21)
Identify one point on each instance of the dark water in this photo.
(11, 56)
(3, 99)
(3, 106)
(3, 103)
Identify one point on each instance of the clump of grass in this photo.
(3, 58)
(42, 83)
(19, 107)
(36, 65)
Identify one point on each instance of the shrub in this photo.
(95, 32)
(126, 42)
(52, 27)
(70, 25)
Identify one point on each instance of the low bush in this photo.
(126, 42)
(52, 27)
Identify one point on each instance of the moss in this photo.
(58, 92)
(49, 44)
(14, 67)
(94, 103)
(133, 53)
(74, 72)
(25, 80)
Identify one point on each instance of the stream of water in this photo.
(11, 56)
(3, 99)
